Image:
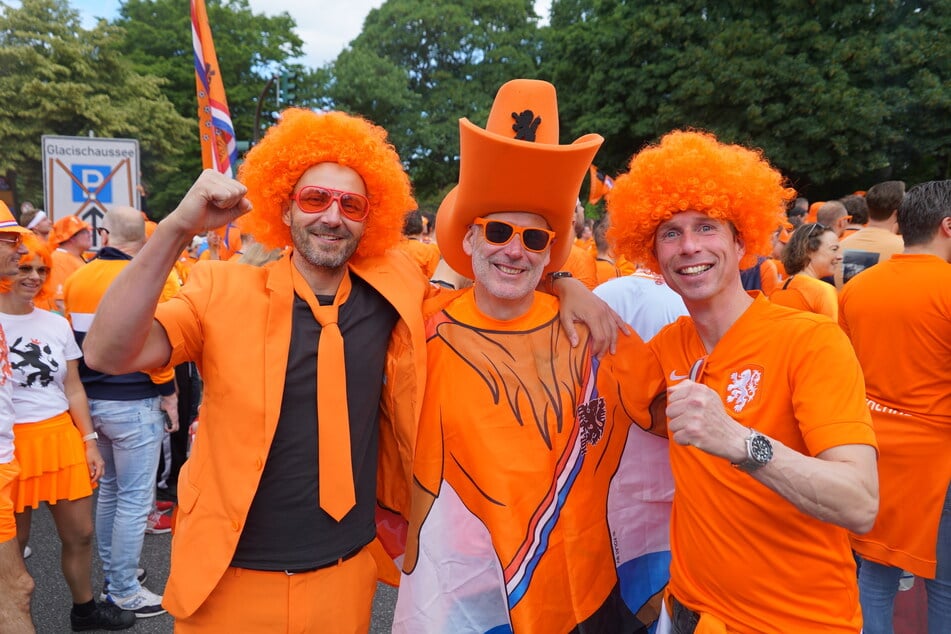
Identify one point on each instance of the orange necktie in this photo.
(335, 480)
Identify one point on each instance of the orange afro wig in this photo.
(690, 170)
(36, 248)
(303, 139)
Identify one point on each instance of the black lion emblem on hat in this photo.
(526, 123)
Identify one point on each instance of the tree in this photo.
(836, 94)
(420, 65)
(251, 48)
(58, 78)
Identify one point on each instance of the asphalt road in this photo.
(51, 600)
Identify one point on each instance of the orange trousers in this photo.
(337, 599)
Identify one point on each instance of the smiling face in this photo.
(327, 239)
(699, 256)
(826, 258)
(506, 275)
(29, 278)
(11, 248)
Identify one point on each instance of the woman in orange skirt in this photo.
(54, 441)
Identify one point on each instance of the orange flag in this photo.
(219, 150)
(601, 184)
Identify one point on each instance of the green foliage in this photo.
(250, 48)
(420, 65)
(58, 78)
(837, 95)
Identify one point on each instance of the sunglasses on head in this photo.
(314, 200)
(815, 226)
(499, 232)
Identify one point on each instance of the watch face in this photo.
(761, 450)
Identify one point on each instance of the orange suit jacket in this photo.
(234, 321)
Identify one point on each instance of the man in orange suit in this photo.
(308, 430)
(270, 523)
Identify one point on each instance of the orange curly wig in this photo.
(303, 139)
(36, 248)
(691, 170)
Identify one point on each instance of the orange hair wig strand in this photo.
(303, 139)
(691, 170)
(36, 248)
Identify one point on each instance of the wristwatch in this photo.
(759, 451)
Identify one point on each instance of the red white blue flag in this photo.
(219, 150)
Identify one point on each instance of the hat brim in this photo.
(6, 227)
(498, 174)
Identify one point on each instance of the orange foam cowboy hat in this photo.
(516, 164)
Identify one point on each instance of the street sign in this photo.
(86, 176)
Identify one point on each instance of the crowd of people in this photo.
(743, 428)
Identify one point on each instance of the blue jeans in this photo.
(878, 585)
(130, 436)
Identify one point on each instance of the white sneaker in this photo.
(143, 603)
(140, 574)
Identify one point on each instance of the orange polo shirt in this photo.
(741, 552)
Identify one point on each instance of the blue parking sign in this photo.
(91, 177)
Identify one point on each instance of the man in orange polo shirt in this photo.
(877, 241)
(898, 316)
(308, 429)
(772, 451)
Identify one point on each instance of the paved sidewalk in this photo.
(51, 600)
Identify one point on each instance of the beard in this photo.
(327, 257)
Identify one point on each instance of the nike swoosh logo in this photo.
(678, 377)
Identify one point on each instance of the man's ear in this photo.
(286, 215)
(468, 241)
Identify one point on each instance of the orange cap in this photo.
(66, 227)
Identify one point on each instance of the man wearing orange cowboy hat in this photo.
(520, 433)
(308, 430)
(16, 585)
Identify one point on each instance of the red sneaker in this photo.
(158, 523)
(164, 506)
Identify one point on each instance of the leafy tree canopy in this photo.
(838, 95)
(251, 48)
(58, 78)
(420, 65)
